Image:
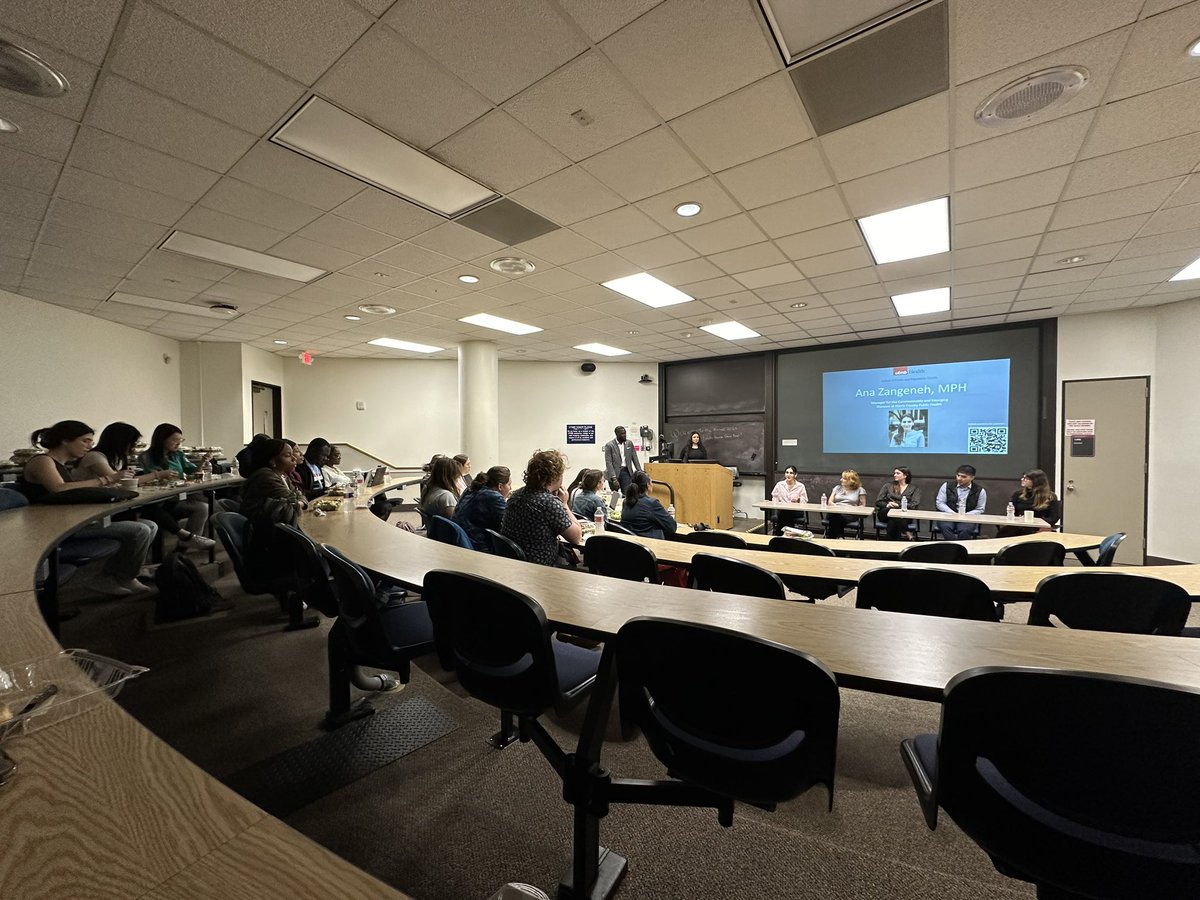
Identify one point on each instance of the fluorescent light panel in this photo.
(239, 257)
(171, 306)
(908, 232)
(602, 349)
(487, 320)
(731, 331)
(333, 136)
(1188, 272)
(919, 303)
(645, 288)
(404, 345)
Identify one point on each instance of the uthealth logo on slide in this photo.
(900, 370)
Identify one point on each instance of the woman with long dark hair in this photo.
(482, 506)
(441, 494)
(48, 473)
(891, 495)
(643, 514)
(695, 448)
(164, 453)
(1034, 494)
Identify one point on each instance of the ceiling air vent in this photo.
(1028, 96)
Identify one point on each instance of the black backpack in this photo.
(182, 592)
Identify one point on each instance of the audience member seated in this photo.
(428, 470)
(788, 491)
(440, 495)
(587, 499)
(537, 514)
(293, 476)
(482, 506)
(68, 441)
(889, 498)
(1035, 494)
(112, 456)
(164, 455)
(965, 493)
(695, 448)
(849, 492)
(331, 471)
(643, 514)
(575, 487)
(316, 454)
(464, 472)
(245, 457)
(269, 497)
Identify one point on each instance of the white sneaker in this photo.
(198, 541)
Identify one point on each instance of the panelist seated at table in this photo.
(113, 455)
(482, 506)
(964, 494)
(787, 491)
(849, 492)
(537, 515)
(65, 442)
(694, 449)
(891, 496)
(1034, 494)
(643, 514)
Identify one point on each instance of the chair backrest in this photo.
(734, 576)
(1031, 553)
(934, 552)
(1071, 779)
(617, 528)
(926, 592)
(772, 737)
(796, 545)
(616, 557)
(1108, 549)
(1111, 601)
(230, 528)
(353, 587)
(308, 562)
(505, 546)
(11, 498)
(713, 538)
(447, 531)
(495, 639)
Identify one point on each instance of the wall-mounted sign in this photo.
(1082, 436)
(581, 434)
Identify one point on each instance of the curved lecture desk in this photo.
(101, 808)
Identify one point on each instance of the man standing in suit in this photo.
(620, 460)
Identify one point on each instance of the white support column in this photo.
(479, 403)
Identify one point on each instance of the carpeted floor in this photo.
(454, 820)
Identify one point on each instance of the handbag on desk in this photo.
(86, 495)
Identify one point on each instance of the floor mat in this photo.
(290, 780)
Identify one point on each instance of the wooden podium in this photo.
(703, 491)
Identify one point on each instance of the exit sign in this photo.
(306, 358)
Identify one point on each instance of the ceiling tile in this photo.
(619, 228)
(95, 243)
(832, 263)
(603, 267)
(457, 242)
(387, 81)
(1002, 228)
(1188, 194)
(1009, 196)
(346, 235)
(997, 251)
(552, 281)
(1089, 235)
(84, 29)
(590, 84)
(904, 185)
(855, 278)
(1161, 243)
(221, 227)
(500, 152)
(1177, 218)
(311, 253)
(689, 272)
(726, 234)
(80, 75)
(801, 213)
(42, 133)
(378, 273)
(648, 164)
(498, 48)
(76, 215)
(756, 256)
(841, 236)
(25, 204)
(600, 20)
(1154, 56)
(658, 252)
(236, 198)
(991, 272)
(783, 273)
(96, 190)
(412, 258)
(381, 211)
(1020, 153)
(567, 196)
(74, 259)
(749, 123)
(1176, 156)
(1143, 119)
(561, 247)
(788, 173)
(111, 156)
(283, 172)
(1114, 204)
(18, 227)
(903, 135)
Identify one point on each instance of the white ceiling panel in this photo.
(568, 196)
(283, 172)
(1144, 119)
(81, 75)
(801, 213)
(1009, 196)
(347, 235)
(1021, 152)
(915, 182)
(648, 164)
(501, 153)
(83, 29)
(42, 133)
(122, 160)
(96, 190)
(901, 136)
(1154, 56)
(218, 226)
(777, 176)
(1114, 204)
(382, 212)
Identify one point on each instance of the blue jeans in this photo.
(135, 539)
(958, 531)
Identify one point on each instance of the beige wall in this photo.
(62, 364)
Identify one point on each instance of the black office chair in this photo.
(733, 576)
(1031, 553)
(617, 528)
(941, 552)
(447, 531)
(232, 529)
(313, 580)
(853, 524)
(926, 592)
(368, 632)
(618, 558)
(1069, 780)
(505, 546)
(881, 526)
(806, 585)
(1108, 549)
(1111, 601)
(713, 538)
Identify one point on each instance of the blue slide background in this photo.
(856, 406)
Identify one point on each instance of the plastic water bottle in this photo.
(962, 507)
(904, 503)
(598, 519)
(1010, 512)
(206, 470)
(824, 499)
(671, 510)
(361, 501)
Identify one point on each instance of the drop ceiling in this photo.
(602, 118)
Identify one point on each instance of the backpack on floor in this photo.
(182, 591)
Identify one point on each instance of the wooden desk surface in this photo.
(101, 808)
(912, 656)
(984, 548)
(936, 515)
(817, 507)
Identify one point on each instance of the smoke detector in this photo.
(1030, 95)
(511, 265)
(377, 309)
(24, 71)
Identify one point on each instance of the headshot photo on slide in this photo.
(908, 428)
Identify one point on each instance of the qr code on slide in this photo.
(987, 439)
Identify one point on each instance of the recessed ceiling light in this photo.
(394, 344)
(324, 132)
(687, 334)
(633, 332)
(1067, 260)
(377, 309)
(645, 288)
(799, 305)
(216, 311)
(602, 349)
(731, 331)
(25, 71)
(511, 265)
(8, 126)
(687, 210)
(238, 257)
(909, 232)
(352, 318)
(919, 303)
(520, 351)
(281, 343)
(487, 320)
(1188, 272)
(1194, 49)
(468, 279)
(382, 275)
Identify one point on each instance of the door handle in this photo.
(1070, 485)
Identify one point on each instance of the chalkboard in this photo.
(733, 443)
(715, 387)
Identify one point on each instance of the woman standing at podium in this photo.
(695, 448)
(788, 491)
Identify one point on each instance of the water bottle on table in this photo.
(962, 507)
(904, 504)
(598, 521)
(1010, 512)
(824, 499)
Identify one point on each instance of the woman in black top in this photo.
(1035, 494)
(695, 448)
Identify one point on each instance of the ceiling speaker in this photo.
(588, 368)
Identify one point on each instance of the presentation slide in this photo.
(957, 407)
